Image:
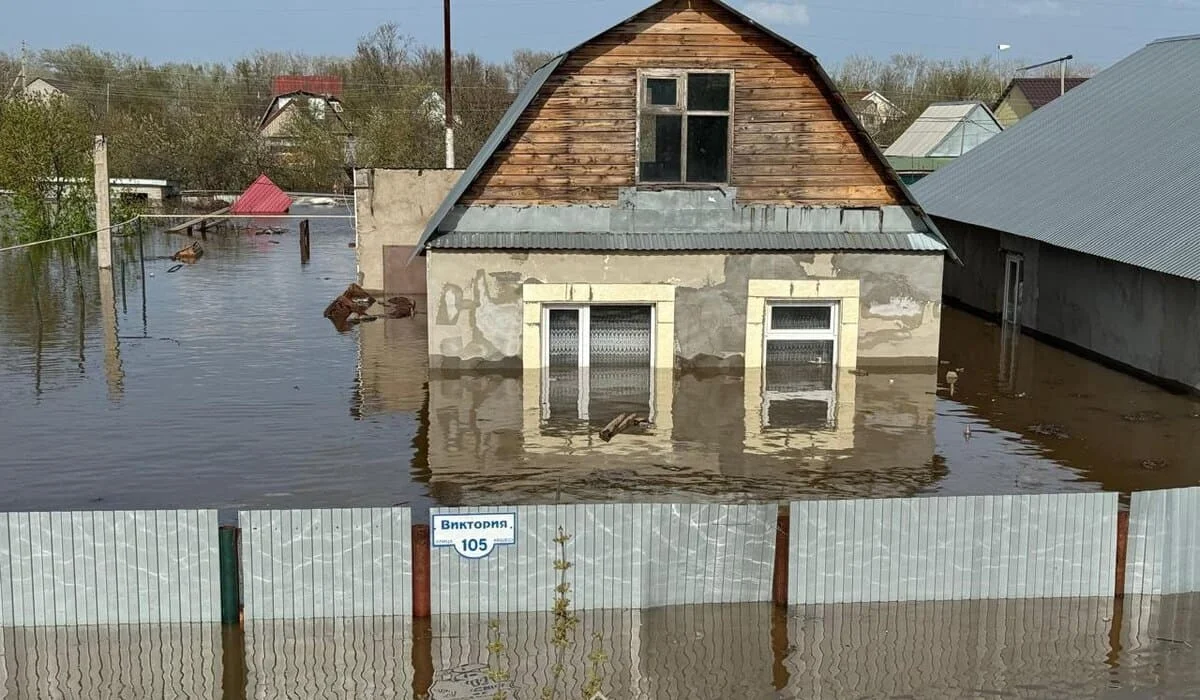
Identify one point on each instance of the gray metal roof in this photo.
(539, 78)
(1111, 169)
(759, 241)
(934, 126)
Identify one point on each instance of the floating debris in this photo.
(353, 302)
(270, 231)
(620, 424)
(1153, 465)
(400, 307)
(190, 254)
(174, 267)
(1049, 430)
(1142, 416)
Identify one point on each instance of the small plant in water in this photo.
(497, 659)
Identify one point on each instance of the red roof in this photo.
(262, 197)
(316, 84)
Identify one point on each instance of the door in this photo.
(1014, 279)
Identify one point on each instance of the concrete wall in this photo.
(475, 299)
(391, 209)
(1138, 317)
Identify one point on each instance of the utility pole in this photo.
(1062, 71)
(19, 83)
(449, 100)
(103, 224)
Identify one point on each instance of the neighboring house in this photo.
(44, 88)
(1024, 95)
(943, 132)
(1087, 230)
(277, 121)
(650, 202)
(873, 109)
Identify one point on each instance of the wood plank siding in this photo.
(576, 141)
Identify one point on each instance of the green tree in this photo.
(46, 162)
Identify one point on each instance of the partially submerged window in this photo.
(597, 363)
(800, 362)
(683, 126)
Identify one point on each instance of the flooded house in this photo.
(1086, 230)
(687, 189)
(943, 132)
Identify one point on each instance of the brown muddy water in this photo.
(1083, 648)
(220, 385)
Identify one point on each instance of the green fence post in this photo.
(230, 591)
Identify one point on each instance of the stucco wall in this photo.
(391, 209)
(1144, 319)
(475, 301)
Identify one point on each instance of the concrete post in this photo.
(103, 224)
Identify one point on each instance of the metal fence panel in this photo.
(1163, 550)
(88, 568)
(621, 555)
(959, 548)
(303, 564)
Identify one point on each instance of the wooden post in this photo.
(103, 223)
(1122, 544)
(204, 229)
(304, 248)
(420, 581)
(189, 231)
(779, 579)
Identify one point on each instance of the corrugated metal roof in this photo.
(539, 78)
(761, 241)
(262, 197)
(930, 129)
(1040, 92)
(1111, 169)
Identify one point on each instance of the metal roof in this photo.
(539, 78)
(924, 135)
(1110, 169)
(262, 197)
(1040, 92)
(760, 241)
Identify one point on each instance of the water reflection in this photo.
(1063, 648)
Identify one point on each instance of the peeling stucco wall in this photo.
(475, 314)
(391, 208)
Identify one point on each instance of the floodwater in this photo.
(220, 385)
(1082, 648)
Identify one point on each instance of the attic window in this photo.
(683, 126)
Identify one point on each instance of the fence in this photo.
(162, 566)
(108, 567)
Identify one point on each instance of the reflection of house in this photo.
(1024, 95)
(698, 218)
(944, 131)
(873, 109)
(1087, 229)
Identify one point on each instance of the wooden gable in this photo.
(576, 142)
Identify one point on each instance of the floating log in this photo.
(189, 254)
(620, 424)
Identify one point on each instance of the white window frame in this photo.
(1010, 311)
(583, 353)
(680, 108)
(828, 396)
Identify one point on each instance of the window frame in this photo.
(832, 333)
(680, 108)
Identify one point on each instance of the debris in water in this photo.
(1049, 430)
(859, 372)
(620, 424)
(189, 254)
(400, 307)
(351, 244)
(270, 231)
(1142, 416)
(174, 267)
(1153, 465)
(353, 302)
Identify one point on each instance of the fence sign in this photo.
(474, 535)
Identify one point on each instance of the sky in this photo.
(1097, 32)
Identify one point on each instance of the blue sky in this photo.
(1096, 31)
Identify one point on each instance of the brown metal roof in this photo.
(1041, 91)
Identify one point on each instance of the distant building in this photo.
(44, 88)
(873, 109)
(943, 132)
(277, 121)
(1082, 223)
(1024, 95)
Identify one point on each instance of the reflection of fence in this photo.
(161, 566)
